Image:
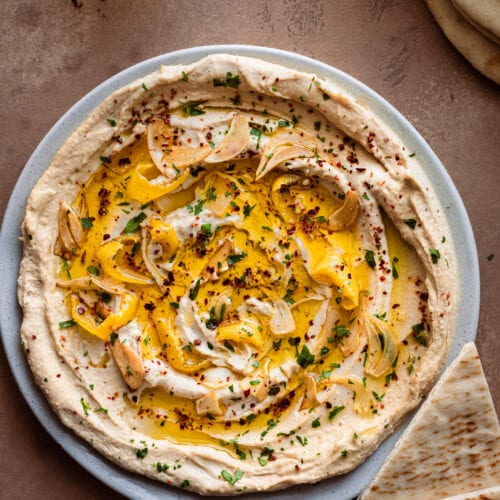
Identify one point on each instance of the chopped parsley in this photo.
(305, 358)
(316, 423)
(85, 406)
(339, 332)
(211, 196)
(435, 255)
(161, 467)
(193, 293)
(234, 258)
(206, 229)
(196, 171)
(324, 351)
(247, 209)
(411, 362)
(302, 440)
(370, 259)
(193, 109)
(411, 223)
(256, 133)
(419, 334)
(87, 222)
(66, 324)
(231, 80)
(228, 346)
(231, 478)
(111, 122)
(93, 270)
(133, 224)
(395, 273)
(197, 208)
(335, 411)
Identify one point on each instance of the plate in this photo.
(132, 485)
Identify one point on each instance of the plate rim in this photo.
(131, 484)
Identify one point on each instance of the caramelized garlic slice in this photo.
(209, 404)
(71, 232)
(383, 347)
(346, 215)
(233, 143)
(165, 155)
(129, 364)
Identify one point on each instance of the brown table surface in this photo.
(53, 52)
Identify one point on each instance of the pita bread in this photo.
(480, 51)
(452, 446)
(486, 494)
(484, 15)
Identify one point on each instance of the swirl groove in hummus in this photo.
(245, 279)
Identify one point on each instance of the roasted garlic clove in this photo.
(279, 185)
(167, 156)
(93, 283)
(209, 404)
(281, 155)
(217, 261)
(345, 216)
(310, 392)
(383, 347)
(285, 146)
(129, 364)
(71, 232)
(282, 321)
(233, 143)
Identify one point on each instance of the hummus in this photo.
(235, 278)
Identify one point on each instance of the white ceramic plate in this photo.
(135, 486)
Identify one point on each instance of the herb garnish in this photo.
(231, 80)
(230, 478)
(256, 133)
(93, 270)
(305, 358)
(395, 273)
(411, 223)
(87, 222)
(335, 411)
(133, 224)
(370, 258)
(193, 108)
(419, 334)
(66, 324)
(435, 255)
(193, 293)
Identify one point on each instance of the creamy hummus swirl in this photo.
(245, 278)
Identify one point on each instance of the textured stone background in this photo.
(52, 52)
